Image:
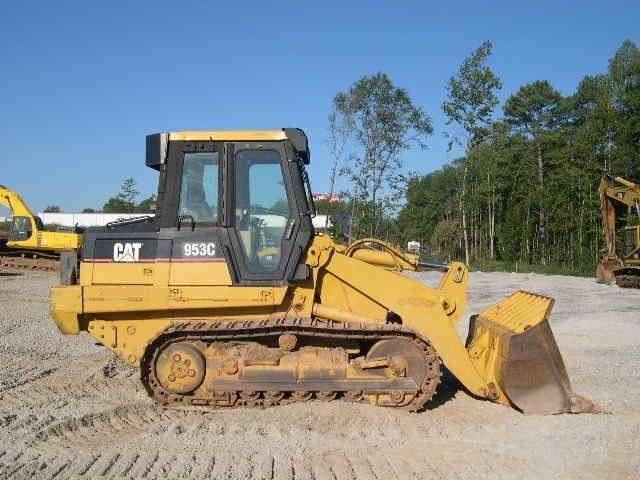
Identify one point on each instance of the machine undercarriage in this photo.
(267, 363)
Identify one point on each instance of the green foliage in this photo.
(471, 99)
(128, 191)
(534, 112)
(528, 183)
(533, 109)
(632, 219)
(445, 236)
(339, 133)
(146, 206)
(336, 208)
(471, 96)
(117, 205)
(52, 209)
(430, 200)
(5, 226)
(502, 266)
(624, 70)
(382, 122)
(124, 201)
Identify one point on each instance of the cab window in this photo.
(21, 229)
(261, 208)
(629, 241)
(199, 188)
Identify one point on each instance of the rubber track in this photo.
(234, 330)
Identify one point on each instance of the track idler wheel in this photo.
(406, 358)
(180, 368)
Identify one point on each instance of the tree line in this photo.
(525, 188)
(125, 201)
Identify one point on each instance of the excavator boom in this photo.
(14, 202)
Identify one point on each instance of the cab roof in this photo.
(158, 143)
(228, 135)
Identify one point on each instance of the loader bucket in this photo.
(512, 346)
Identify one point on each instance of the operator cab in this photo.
(239, 196)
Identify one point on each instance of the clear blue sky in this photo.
(82, 83)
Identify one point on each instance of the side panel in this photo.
(122, 258)
(197, 258)
(58, 241)
(123, 274)
(115, 298)
(168, 258)
(208, 273)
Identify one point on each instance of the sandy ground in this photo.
(67, 412)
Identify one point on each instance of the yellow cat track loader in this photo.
(32, 245)
(227, 298)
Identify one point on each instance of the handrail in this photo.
(127, 221)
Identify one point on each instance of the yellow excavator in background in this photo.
(227, 297)
(35, 246)
(620, 262)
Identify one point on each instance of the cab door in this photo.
(264, 213)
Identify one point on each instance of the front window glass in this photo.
(199, 190)
(262, 208)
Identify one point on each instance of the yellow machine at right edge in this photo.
(227, 297)
(620, 262)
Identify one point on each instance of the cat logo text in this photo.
(126, 252)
